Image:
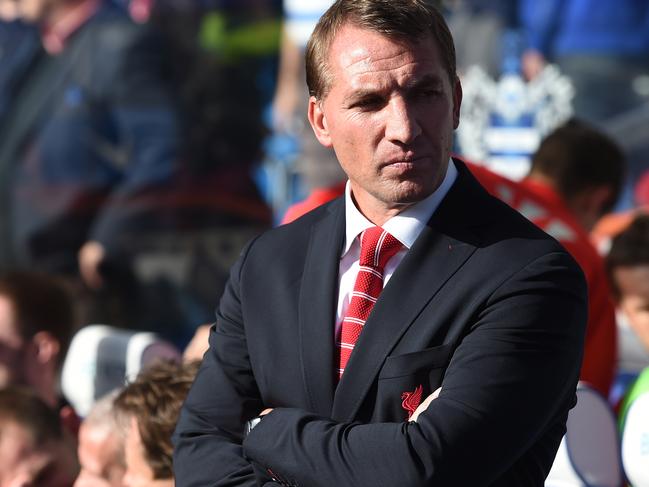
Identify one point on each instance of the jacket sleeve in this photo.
(507, 390)
(209, 432)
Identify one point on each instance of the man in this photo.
(575, 178)
(476, 301)
(101, 448)
(35, 450)
(36, 325)
(148, 408)
(88, 135)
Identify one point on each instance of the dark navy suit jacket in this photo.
(484, 305)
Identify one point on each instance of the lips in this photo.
(405, 159)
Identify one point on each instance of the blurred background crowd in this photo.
(144, 142)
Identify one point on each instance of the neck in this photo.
(538, 177)
(379, 214)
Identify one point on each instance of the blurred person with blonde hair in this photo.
(148, 410)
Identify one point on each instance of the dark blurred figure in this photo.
(36, 326)
(148, 408)
(34, 448)
(88, 140)
(222, 56)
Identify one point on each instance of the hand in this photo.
(424, 405)
(91, 255)
(265, 411)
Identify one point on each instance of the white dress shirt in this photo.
(405, 227)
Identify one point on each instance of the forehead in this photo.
(359, 55)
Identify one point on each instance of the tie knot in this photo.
(377, 247)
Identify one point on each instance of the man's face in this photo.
(100, 456)
(13, 348)
(24, 463)
(389, 115)
(633, 285)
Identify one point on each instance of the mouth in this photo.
(406, 161)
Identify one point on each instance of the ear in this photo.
(46, 347)
(318, 121)
(457, 102)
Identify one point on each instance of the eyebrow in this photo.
(424, 81)
(414, 84)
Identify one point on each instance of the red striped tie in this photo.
(377, 248)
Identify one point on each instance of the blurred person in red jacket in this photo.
(575, 178)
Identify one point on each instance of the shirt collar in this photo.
(405, 226)
(54, 36)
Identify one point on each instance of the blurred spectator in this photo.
(220, 55)
(148, 409)
(602, 46)
(36, 325)
(86, 143)
(34, 449)
(101, 448)
(628, 266)
(576, 177)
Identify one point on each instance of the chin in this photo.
(410, 192)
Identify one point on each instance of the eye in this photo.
(368, 103)
(429, 92)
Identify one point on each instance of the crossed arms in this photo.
(502, 409)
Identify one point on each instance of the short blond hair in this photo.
(408, 20)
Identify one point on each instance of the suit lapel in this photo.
(443, 246)
(318, 298)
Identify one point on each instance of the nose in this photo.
(402, 125)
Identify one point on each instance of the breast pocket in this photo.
(415, 374)
(415, 362)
